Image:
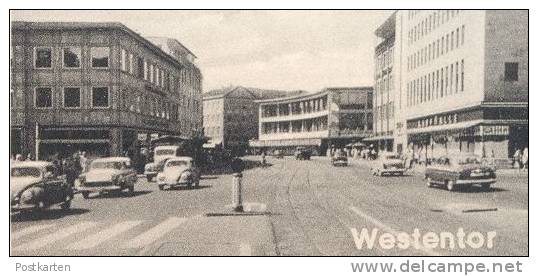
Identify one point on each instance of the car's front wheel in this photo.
(486, 187)
(85, 195)
(66, 205)
(161, 187)
(131, 190)
(149, 178)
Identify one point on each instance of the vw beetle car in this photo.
(339, 159)
(35, 186)
(107, 175)
(387, 164)
(161, 154)
(460, 170)
(302, 153)
(179, 171)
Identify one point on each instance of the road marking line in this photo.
(388, 229)
(154, 233)
(30, 230)
(245, 249)
(56, 236)
(104, 235)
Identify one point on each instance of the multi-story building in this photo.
(464, 80)
(231, 116)
(333, 116)
(97, 87)
(387, 99)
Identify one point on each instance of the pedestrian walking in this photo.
(517, 159)
(83, 161)
(525, 159)
(264, 161)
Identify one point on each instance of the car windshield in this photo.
(25, 172)
(177, 163)
(165, 152)
(465, 160)
(107, 165)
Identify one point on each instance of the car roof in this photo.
(180, 158)
(113, 159)
(34, 164)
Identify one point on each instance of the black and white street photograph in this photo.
(273, 133)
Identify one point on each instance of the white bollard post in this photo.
(237, 200)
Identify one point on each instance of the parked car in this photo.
(179, 171)
(160, 155)
(35, 186)
(460, 170)
(339, 159)
(278, 154)
(302, 153)
(108, 175)
(387, 164)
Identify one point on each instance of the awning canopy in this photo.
(378, 138)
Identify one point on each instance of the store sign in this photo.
(494, 130)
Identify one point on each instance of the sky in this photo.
(287, 50)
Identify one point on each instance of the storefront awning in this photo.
(378, 138)
(438, 128)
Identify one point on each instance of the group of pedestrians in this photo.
(521, 159)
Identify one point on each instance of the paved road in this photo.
(293, 208)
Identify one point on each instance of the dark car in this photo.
(459, 171)
(302, 153)
(339, 159)
(34, 185)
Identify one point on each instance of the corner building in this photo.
(463, 81)
(98, 87)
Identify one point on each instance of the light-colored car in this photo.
(179, 171)
(387, 164)
(339, 159)
(35, 186)
(107, 175)
(460, 170)
(160, 155)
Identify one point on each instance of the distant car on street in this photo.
(179, 171)
(339, 159)
(161, 154)
(107, 175)
(35, 186)
(302, 153)
(460, 170)
(278, 154)
(387, 164)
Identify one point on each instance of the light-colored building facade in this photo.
(333, 116)
(463, 81)
(230, 116)
(97, 87)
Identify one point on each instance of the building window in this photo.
(100, 57)
(462, 76)
(457, 77)
(71, 97)
(131, 64)
(71, 57)
(43, 97)
(123, 60)
(511, 71)
(151, 71)
(141, 68)
(100, 97)
(43, 58)
(462, 34)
